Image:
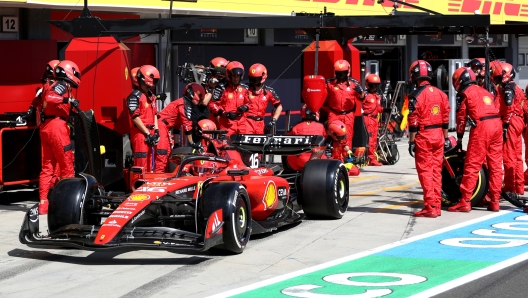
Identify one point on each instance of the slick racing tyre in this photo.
(324, 187)
(65, 203)
(233, 200)
(451, 187)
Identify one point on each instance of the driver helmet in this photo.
(205, 168)
(337, 130)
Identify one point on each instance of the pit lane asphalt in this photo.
(380, 212)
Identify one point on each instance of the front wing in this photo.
(135, 238)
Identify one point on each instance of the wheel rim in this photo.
(241, 219)
(342, 191)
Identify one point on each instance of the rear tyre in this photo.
(451, 187)
(65, 203)
(325, 188)
(233, 199)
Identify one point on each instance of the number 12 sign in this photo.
(9, 24)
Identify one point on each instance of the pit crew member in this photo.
(337, 136)
(371, 109)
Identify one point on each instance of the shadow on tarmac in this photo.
(14, 195)
(107, 258)
(405, 212)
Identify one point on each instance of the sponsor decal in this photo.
(230, 95)
(185, 190)
(151, 189)
(277, 140)
(208, 33)
(122, 212)
(170, 243)
(157, 242)
(118, 216)
(261, 171)
(282, 193)
(435, 110)
(159, 184)
(214, 224)
(431, 89)
(131, 204)
(125, 208)
(111, 223)
(138, 197)
(33, 214)
(138, 216)
(270, 196)
(126, 73)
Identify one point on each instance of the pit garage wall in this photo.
(522, 63)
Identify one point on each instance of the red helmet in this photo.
(219, 62)
(462, 77)
(340, 66)
(258, 72)
(420, 69)
(68, 71)
(372, 80)
(477, 65)
(50, 70)
(195, 92)
(149, 75)
(133, 76)
(307, 114)
(205, 124)
(337, 130)
(234, 68)
(206, 167)
(502, 72)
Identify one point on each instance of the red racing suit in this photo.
(55, 137)
(512, 149)
(485, 140)
(175, 115)
(339, 153)
(371, 109)
(258, 103)
(143, 106)
(232, 98)
(341, 104)
(428, 116)
(525, 113)
(312, 128)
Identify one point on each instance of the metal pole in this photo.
(316, 51)
(487, 63)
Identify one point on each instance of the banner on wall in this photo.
(500, 10)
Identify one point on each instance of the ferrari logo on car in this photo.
(435, 110)
(102, 237)
(270, 196)
(487, 100)
(139, 197)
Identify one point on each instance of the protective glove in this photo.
(150, 139)
(74, 102)
(161, 96)
(458, 146)
(156, 137)
(447, 144)
(197, 147)
(505, 127)
(269, 126)
(230, 115)
(412, 148)
(358, 89)
(243, 108)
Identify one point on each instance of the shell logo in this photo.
(218, 65)
(270, 196)
(375, 78)
(435, 110)
(147, 73)
(126, 73)
(230, 95)
(204, 125)
(372, 100)
(146, 105)
(336, 88)
(138, 197)
(486, 100)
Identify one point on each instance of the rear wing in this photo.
(278, 145)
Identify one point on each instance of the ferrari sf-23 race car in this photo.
(212, 200)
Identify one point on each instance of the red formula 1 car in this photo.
(211, 200)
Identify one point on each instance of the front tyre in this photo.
(325, 188)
